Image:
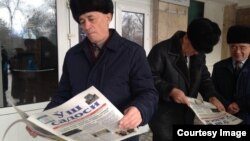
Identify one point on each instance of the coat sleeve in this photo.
(207, 88)
(142, 86)
(156, 60)
(216, 78)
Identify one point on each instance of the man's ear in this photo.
(109, 16)
(187, 39)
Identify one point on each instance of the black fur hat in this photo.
(238, 34)
(203, 34)
(79, 7)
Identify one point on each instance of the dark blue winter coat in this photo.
(122, 74)
(233, 90)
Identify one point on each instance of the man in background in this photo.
(231, 76)
(179, 70)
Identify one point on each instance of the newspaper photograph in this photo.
(89, 116)
(208, 114)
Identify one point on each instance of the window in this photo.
(28, 40)
(132, 21)
(133, 26)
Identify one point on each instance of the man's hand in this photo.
(178, 96)
(132, 118)
(217, 103)
(233, 108)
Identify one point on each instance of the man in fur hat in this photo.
(114, 65)
(231, 76)
(179, 70)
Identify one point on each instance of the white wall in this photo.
(215, 12)
(244, 3)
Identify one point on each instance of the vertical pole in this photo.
(1, 82)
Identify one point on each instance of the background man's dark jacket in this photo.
(170, 70)
(230, 89)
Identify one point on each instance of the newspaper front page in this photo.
(89, 116)
(208, 114)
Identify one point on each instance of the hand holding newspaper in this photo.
(89, 116)
(208, 114)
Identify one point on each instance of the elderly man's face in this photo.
(96, 26)
(240, 51)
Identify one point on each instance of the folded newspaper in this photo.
(208, 114)
(89, 116)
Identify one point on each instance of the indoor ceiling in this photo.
(239, 2)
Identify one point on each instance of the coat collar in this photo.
(196, 61)
(246, 65)
(112, 43)
(227, 64)
(175, 50)
(114, 40)
(176, 46)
